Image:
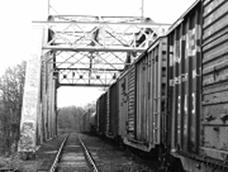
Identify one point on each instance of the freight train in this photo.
(174, 96)
(88, 122)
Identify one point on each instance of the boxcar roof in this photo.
(181, 18)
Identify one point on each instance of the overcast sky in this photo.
(16, 28)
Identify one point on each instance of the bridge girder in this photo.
(82, 44)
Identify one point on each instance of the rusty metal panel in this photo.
(114, 110)
(131, 102)
(162, 94)
(215, 80)
(123, 104)
(215, 17)
(156, 94)
(184, 58)
(142, 124)
(170, 86)
(157, 64)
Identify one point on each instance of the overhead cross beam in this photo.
(92, 50)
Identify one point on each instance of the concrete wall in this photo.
(39, 120)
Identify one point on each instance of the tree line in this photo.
(11, 93)
(69, 118)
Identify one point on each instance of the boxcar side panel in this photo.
(158, 94)
(151, 78)
(142, 100)
(184, 81)
(103, 114)
(162, 96)
(114, 111)
(123, 105)
(131, 102)
(215, 80)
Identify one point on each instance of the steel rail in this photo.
(57, 157)
(88, 155)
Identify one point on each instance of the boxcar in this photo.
(101, 114)
(214, 119)
(184, 81)
(84, 122)
(131, 103)
(123, 104)
(175, 95)
(126, 106)
(92, 123)
(197, 86)
(112, 111)
(88, 122)
(147, 96)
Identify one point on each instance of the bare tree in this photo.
(11, 88)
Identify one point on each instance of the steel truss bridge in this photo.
(76, 50)
(93, 50)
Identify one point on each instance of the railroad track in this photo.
(60, 163)
(88, 155)
(58, 155)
